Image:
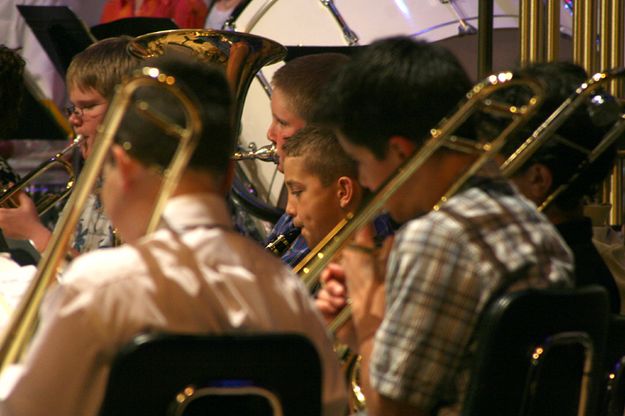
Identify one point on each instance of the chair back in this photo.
(254, 374)
(539, 352)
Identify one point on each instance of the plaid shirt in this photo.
(443, 269)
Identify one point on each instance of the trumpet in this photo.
(45, 202)
(265, 153)
(24, 319)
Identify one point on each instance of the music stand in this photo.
(132, 26)
(59, 31)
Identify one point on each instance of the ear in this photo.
(346, 191)
(400, 147)
(125, 165)
(539, 180)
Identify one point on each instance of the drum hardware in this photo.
(48, 200)
(260, 76)
(265, 153)
(464, 27)
(244, 55)
(350, 36)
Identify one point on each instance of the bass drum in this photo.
(452, 23)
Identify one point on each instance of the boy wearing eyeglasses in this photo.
(91, 79)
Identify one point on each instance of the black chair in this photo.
(613, 400)
(238, 374)
(539, 352)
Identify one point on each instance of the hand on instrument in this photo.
(332, 297)
(23, 223)
(365, 265)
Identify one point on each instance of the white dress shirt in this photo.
(193, 275)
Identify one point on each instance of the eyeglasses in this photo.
(79, 111)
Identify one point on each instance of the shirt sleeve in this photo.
(63, 362)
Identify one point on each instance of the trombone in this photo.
(48, 200)
(544, 133)
(547, 129)
(480, 98)
(24, 319)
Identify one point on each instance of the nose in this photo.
(291, 206)
(74, 119)
(271, 133)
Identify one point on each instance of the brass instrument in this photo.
(24, 319)
(478, 99)
(265, 153)
(547, 129)
(46, 201)
(241, 54)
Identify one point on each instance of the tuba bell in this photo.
(241, 54)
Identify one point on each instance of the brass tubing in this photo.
(21, 327)
(589, 42)
(605, 39)
(478, 99)
(524, 32)
(578, 31)
(617, 45)
(535, 26)
(553, 30)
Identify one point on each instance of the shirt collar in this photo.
(197, 210)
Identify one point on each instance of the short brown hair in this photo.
(322, 154)
(102, 66)
(302, 79)
(206, 86)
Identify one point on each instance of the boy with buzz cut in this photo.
(322, 182)
(297, 86)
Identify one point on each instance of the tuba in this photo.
(241, 55)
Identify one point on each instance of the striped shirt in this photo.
(443, 269)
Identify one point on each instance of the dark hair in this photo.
(585, 128)
(11, 89)
(301, 79)
(322, 154)
(102, 66)
(205, 84)
(394, 86)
